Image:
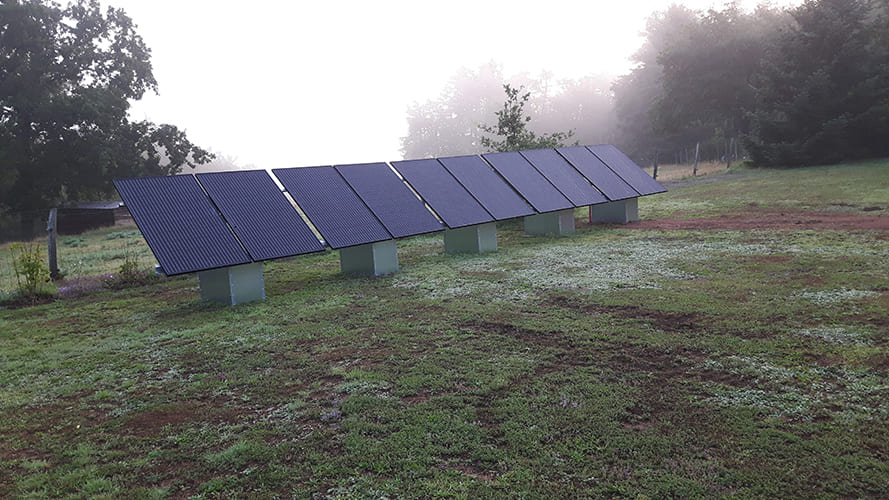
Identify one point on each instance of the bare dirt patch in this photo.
(543, 339)
(783, 220)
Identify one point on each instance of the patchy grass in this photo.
(87, 255)
(612, 363)
(679, 171)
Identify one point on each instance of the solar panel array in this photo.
(486, 186)
(215, 220)
(180, 224)
(334, 208)
(611, 185)
(444, 194)
(389, 199)
(627, 169)
(528, 181)
(259, 214)
(564, 177)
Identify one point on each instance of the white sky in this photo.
(300, 83)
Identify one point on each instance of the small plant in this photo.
(29, 267)
(128, 273)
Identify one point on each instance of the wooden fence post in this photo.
(654, 174)
(51, 244)
(697, 154)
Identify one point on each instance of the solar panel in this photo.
(180, 224)
(491, 191)
(564, 177)
(611, 184)
(332, 206)
(450, 200)
(627, 169)
(389, 199)
(530, 183)
(259, 214)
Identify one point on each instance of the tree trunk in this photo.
(697, 155)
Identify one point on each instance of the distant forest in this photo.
(780, 87)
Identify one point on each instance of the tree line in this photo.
(66, 78)
(782, 87)
(785, 87)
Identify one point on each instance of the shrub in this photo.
(30, 269)
(128, 273)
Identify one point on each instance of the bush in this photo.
(30, 269)
(129, 273)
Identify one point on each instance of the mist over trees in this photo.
(66, 75)
(782, 87)
(512, 132)
(802, 86)
(451, 124)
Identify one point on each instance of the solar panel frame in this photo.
(487, 186)
(564, 177)
(261, 216)
(627, 169)
(389, 198)
(605, 179)
(529, 182)
(443, 193)
(332, 206)
(181, 225)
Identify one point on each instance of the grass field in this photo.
(628, 362)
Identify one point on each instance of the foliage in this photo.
(449, 125)
(66, 78)
(29, 267)
(824, 95)
(129, 273)
(799, 86)
(637, 93)
(512, 127)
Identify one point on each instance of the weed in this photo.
(29, 268)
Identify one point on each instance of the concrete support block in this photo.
(471, 239)
(615, 212)
(233, 285)
(371, 259)
(559, 223)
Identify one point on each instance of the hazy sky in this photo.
(299, 83)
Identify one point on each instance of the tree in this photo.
(824, 93)
(66, 75)
(449, 125)
(710, 71)
(636, 94)
(512, 127)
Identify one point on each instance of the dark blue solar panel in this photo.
(180, 224)
(389, 199)
(259, 213)
(627, 169)
(565, 177)
(450, 200)
(498, 198)
(611, 185)
(332, 206)
(530, 183)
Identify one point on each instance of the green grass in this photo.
(90, 254)
(617, 362)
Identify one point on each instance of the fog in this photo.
(310, 83)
